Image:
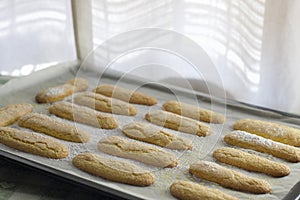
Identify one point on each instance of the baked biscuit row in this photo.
(176, 118)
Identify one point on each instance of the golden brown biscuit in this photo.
(250, 141)
(118, 146)
(80, 84)
(56, 128)
(104, 103)
(154, 135)
(177, 122)
(193, 112)
(114, 170)
(83, 115)
(250, 162)
(273, 131)
(11, 113)
(33, 143)
(187, 190)
(60, 92)
(213, 172)
(125, 94)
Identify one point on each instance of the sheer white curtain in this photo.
(35, 34)
(281, 56)
(253, 43)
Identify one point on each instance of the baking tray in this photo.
(24, 90)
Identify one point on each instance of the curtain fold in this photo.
(252, 43)
(281, 56)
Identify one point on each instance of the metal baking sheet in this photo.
(24, 90)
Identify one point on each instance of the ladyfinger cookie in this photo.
(105, 104)
(250, 162)
(125, 94)
(187, 190)
(193, 112)
(83, 115)
(114, 170)
(80, 84)
(250, 141)
(53, 127)
(11, 113)
(154, 135)
(60, 92)
(177, 122)
(33, 143)
(138, 151)
(273, 131)
(213, 172)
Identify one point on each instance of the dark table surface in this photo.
(21, 182)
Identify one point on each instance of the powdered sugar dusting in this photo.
(269, 128)
(273, 129)
(248, 137)
(210, 165)
(54, 91)
(207, 166)
(278, 131)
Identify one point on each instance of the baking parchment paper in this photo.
(24, 90)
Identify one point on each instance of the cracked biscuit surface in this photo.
(194, 112)
(125, 94)
(187, 190)
(53, 127)
(177, 122)
(11, 113)
(83, 115)
(57, 93)
(151, 134)
(105, 104)
(127, 148)
(273, 131)
(250, 162)
(225, 177)
(251, 141)
(33, 143)
(114, 170)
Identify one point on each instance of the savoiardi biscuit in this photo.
(187, 190)
(194, 112)
(11, 113)
(177, 122)
(53, 127)
(127, 148)
(125, 94)
(33, 143)
(105, 104)
(273, 131)
(114, 170)
(251, 141)
(250, 162)
(57, 93)
(83, 115)
(151, 134)
(225, 177)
